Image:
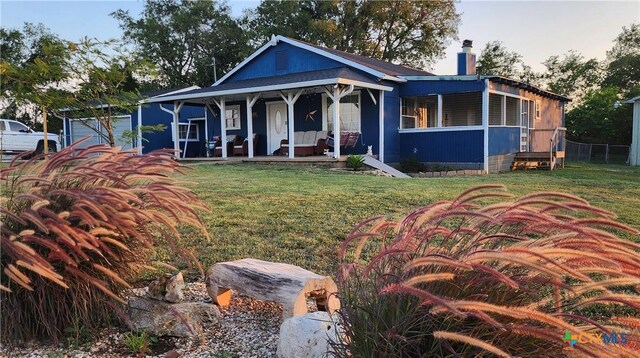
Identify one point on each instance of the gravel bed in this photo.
(249, 328)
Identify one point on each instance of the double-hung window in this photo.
(232, 117)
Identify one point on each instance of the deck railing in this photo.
(555, 149)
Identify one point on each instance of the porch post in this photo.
(485, 124)
(336, 122)
(381, 125)
(223, 126)
(290, 100)
(250, 102)
(177, 106)
(140, 129)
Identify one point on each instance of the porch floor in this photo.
(314, 159)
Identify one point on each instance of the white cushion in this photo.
(320, 135)
(298, 137)
(231, 137)
(309, 138)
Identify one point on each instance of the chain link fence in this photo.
(597, 153)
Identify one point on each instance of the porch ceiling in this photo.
(270, 86)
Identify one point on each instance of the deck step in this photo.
(531, 160)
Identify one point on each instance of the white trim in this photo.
(508, 94)
(485, 124)
(381, 127)
(64, 131)
(441, 129)
(271, 88)
(188, 123)
(501, 126)
(231, 108)
(186, 89)
(442, 77)
(140, 129)
(440, 116)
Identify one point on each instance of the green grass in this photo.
(300, 215)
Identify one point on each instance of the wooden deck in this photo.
(536, 160)
(310, 160)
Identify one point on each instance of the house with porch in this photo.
(284, 96)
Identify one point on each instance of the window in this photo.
(513, 111)
(17, 127)
(349, 113)
(495, 109)
(232, 116)
(2, 126)
(462, 109)
(194, 133)
(538, 109)
(419, 112)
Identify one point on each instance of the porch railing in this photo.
(556, 146)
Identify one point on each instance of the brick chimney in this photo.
(466, 59)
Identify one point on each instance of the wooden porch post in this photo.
(223, 124)
(381, 126)
(485, 124)
(140, 129)
(250, 102)
(290, 100)
(177, 106)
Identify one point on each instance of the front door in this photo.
(277, 125)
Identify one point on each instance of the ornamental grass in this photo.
(77, 227)
(483, 275)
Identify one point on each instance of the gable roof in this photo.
(341, 75)
(381, 69)
(385, 67)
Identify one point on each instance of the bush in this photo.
(76, 227)
(412, 165)
(355, 161)
(457, 278)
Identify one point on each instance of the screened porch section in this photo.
(441, 111)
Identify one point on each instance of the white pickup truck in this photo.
(16, 137)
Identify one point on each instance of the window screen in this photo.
(513, 111)
(495, 109)
(462, 109)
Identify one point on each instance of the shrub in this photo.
(412, 165)
(461, 278)
(355, 161)
(76, 227)
(138, 343)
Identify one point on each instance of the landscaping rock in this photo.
(171, 319)
(168, 288)
(308, 335)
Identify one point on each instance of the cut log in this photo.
(285, 284)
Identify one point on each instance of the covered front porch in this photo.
(262, 108)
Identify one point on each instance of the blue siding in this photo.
(152, 115)
(504, 140)
(417, 88)
(295, 59)
(444, 147)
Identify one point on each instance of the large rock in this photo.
(308, 335)
(171, 319)
(282, 283)
(168, 288)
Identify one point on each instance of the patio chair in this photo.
(231, 141)
(243, 148)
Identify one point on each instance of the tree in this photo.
(596, 120)
(184, 38)
(623, 61)
(572, 76)
(38, 55)
(496, 60)
(413, 33)
(90, 78)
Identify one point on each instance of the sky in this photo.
(534, 29)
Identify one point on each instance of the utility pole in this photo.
(215, 73)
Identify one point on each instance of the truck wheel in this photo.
(51, 148)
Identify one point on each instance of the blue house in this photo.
(285, 93)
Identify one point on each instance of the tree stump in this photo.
(285, 284)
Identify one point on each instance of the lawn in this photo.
(300, 215)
